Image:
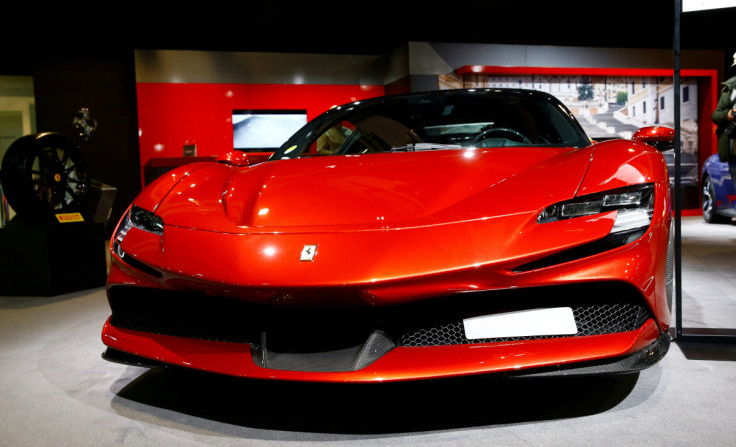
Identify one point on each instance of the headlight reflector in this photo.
(569, 210)
(628, 220)
(138, 218)
(146, 220)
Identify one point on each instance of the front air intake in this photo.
(347, 338)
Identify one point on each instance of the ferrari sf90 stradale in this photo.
(405, 237)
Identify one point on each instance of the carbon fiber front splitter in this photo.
(627, 364)
(630, 363)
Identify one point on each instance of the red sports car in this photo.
(405, 237)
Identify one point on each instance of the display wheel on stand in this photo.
(49, 247)
(44, 173)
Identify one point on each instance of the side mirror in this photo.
(663, 138)
(234, 158)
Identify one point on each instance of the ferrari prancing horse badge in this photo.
(308, 253)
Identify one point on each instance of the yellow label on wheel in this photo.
(69, 217)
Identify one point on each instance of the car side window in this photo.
(331, 140)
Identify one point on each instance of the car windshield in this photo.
(437, 120)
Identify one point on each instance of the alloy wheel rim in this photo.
(707, 199)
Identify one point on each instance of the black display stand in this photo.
(44, 257)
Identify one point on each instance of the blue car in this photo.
(719, 196)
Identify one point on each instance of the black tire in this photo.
(709, 203)
(44, 173)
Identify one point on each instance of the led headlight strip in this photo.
(142, 220)
(634, 206)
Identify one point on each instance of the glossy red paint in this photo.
(235, 158)
(379, 191)
(617, 165)
(396, 228)
(654, 134)
(250, 260)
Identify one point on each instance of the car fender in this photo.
(153, 194)
(621, 163)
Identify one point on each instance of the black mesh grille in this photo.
(605, 318)
(315, 333)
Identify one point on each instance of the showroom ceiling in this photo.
(375, 27)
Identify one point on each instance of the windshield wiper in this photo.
(424, 147)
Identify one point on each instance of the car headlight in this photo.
(146, 220)
(635, 206)
(141, 219)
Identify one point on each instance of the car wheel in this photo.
(43, 173)
(709, 203)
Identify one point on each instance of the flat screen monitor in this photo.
(265, 130)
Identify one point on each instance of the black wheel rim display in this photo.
(44, 173)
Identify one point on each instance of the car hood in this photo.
(390, 190)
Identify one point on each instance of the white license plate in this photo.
(526, 323)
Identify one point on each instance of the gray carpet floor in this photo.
(57, 391)
(708, 274)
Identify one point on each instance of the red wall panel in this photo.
(171, 115)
